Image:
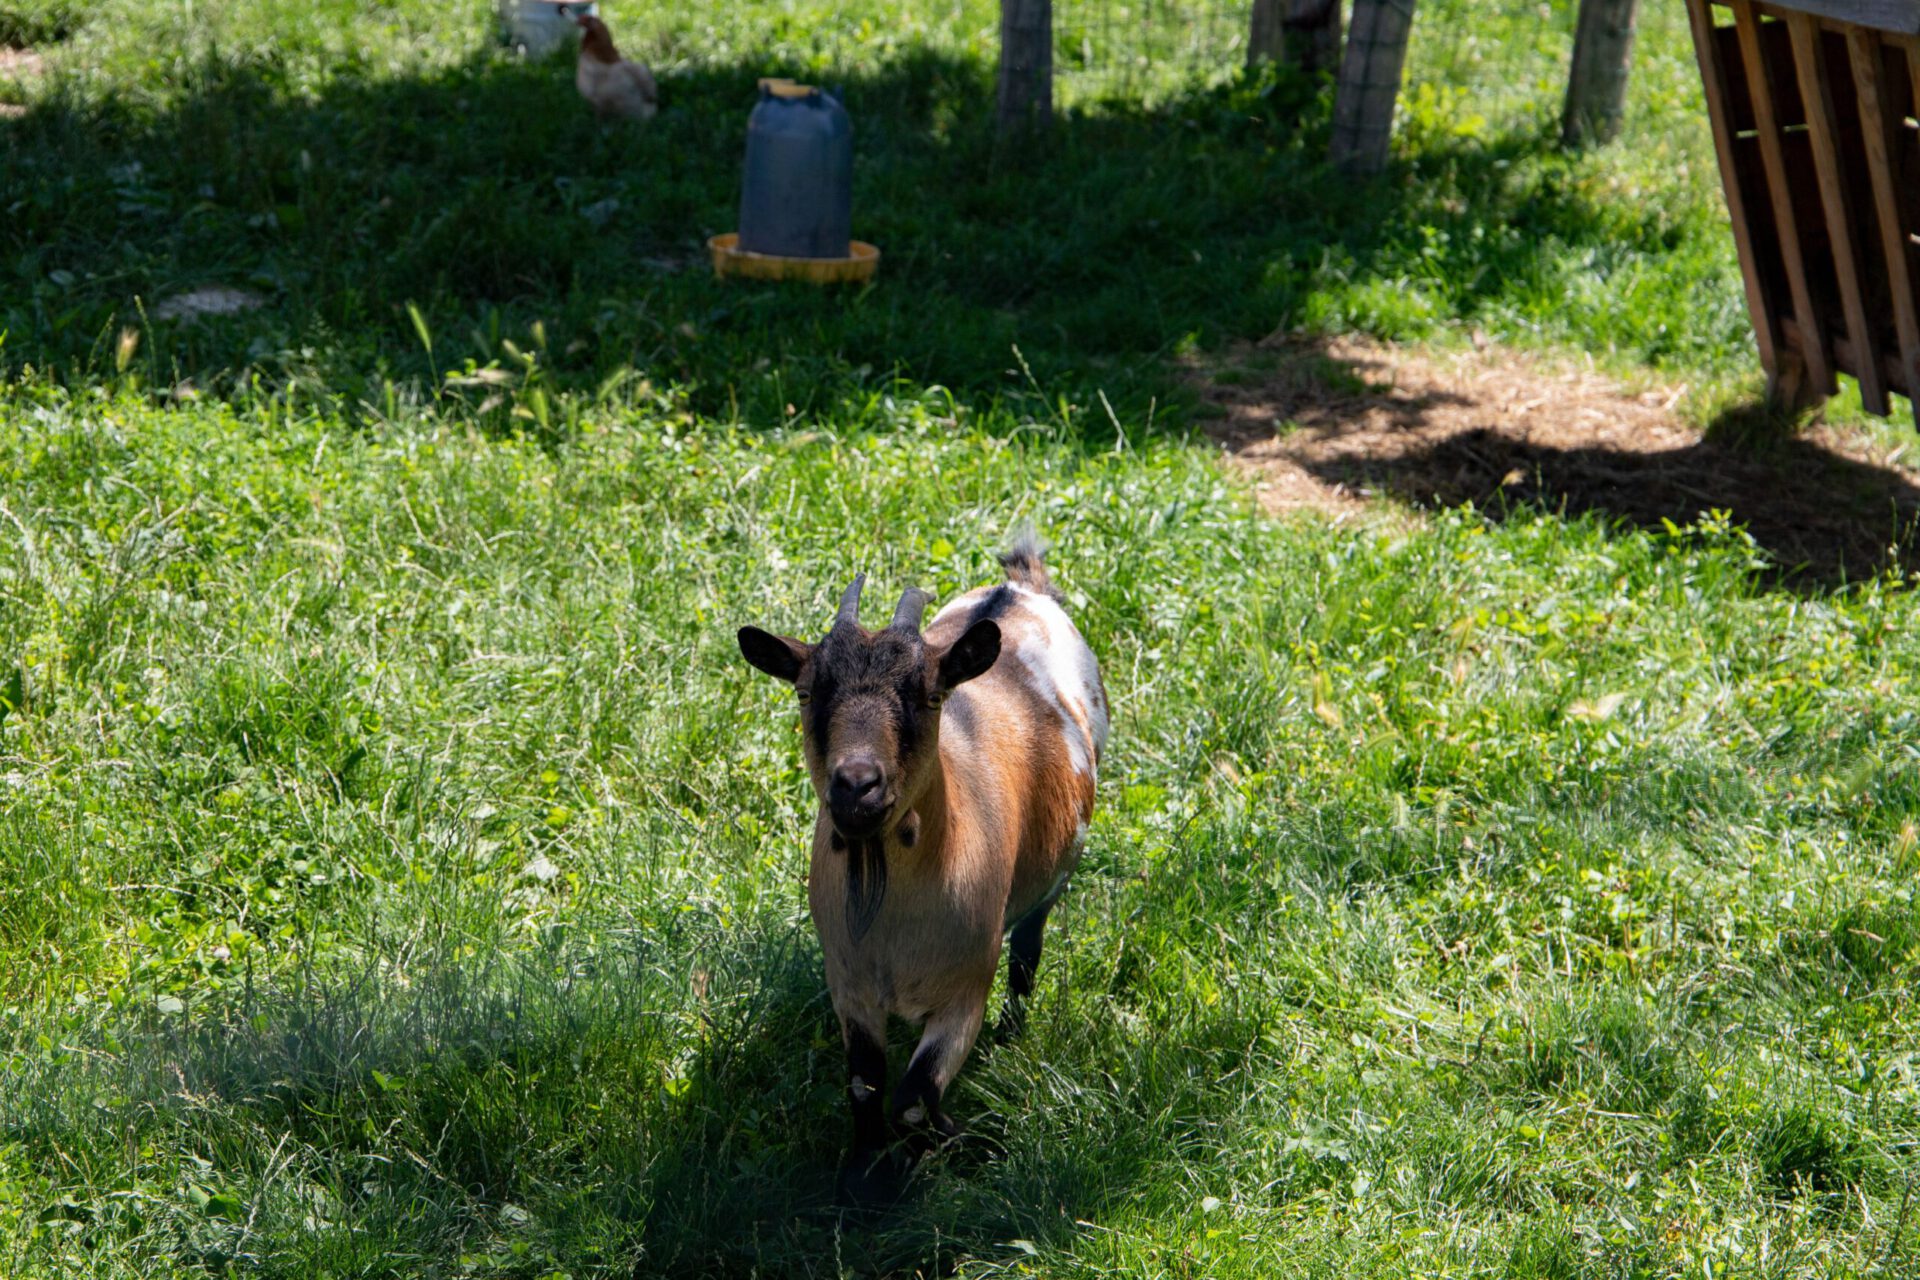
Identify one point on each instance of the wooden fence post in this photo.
(1026, 64)
(1597, 83)
(1301, 33)
(1369, 84)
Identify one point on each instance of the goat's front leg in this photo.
(868, 1174)
(944, 1045)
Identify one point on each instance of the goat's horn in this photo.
(850, 601)
(906, 616)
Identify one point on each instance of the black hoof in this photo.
(870, 1180)
(922, 1135)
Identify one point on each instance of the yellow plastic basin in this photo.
(729, 259)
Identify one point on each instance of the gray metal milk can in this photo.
(796, 200)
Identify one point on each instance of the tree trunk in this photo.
(1369, 83)
(1597, 84)
(1026, 64)
(1301, 33)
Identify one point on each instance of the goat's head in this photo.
(870, 705)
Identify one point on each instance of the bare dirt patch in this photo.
(1339, 425)
(19, 64)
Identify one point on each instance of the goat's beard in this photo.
(866, 883)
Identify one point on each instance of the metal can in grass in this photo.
(796, 197)
(538, 27)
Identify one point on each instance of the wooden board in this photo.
(1879, 118)
(1815, 348)
(1823, 129)
(1778, 49)
(1708, 48)
(1902, 17)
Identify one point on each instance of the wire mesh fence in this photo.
(1501, 62)
(1492, 64)
(1145, 49)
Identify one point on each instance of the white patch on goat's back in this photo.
(966, 601)
(1060, 665)
(1038, 658)
(1063, 668)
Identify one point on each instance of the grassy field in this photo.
(344, 161)
(401, 874)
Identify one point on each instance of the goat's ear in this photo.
(778, 656)
(971, 655)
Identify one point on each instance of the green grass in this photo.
(344, 163)
(400, 873)
(403, 872)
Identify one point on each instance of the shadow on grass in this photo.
(735, 1198)
(672, 1110)
(1822, 518)
(485, 194)
(1327, 421)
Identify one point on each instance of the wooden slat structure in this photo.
(1813, 105)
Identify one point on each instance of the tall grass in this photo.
(401, 875)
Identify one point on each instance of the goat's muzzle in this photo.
(859, 799)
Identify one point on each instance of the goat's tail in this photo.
(1025, 561)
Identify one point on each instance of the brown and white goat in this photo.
(955, 772)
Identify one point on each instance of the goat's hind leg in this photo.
(1023, 961)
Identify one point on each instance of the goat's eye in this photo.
(804, 695)
(935, 699)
